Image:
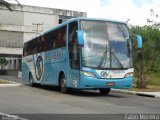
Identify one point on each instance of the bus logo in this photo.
(39, 68)
(104, 74)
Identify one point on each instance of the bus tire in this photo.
(105, 91)
(31, 80)
(63, 87)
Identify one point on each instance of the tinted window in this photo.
(60, 40)
(73, 46)
(51, 40)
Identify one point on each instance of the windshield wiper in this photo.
(103, 58)
(119, 62)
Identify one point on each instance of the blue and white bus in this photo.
(81, 53)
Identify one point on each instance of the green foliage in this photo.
(151, 47)
(152, 79)
(151, 44)
(3, 62)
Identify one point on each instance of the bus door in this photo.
(74, 61)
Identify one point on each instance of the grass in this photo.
(150, 88)
(153, 83)
(151, 78)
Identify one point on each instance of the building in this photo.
(24, 23)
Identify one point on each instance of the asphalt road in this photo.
(46, 102)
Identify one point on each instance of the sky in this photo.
(135, 11)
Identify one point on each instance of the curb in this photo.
(148, 95)
(10, 85)
(145, 94)
(136, 93)
(124, 91)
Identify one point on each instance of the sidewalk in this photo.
(150, 94)
(146, 94)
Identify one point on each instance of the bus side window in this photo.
(73, 46)
(45, 43)
(60, 40)
(40, 44)
(54, 39)
(64, 38)
(50, 43)
(25, 49)
(34, 46)
(29, 48)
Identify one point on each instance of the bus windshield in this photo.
(106, 45)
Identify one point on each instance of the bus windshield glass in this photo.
(106, 45)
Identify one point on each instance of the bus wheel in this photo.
(31, 80)
(63, 87)
(105, 91)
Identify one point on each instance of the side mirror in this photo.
(139, 41)
(80, 39)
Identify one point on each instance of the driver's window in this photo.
(73, 46)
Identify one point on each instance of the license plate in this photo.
(110, 83)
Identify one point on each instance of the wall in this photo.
(15, 17)
(17, 27)
(11, 39)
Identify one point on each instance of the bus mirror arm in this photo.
(80, 39)
(139, 53)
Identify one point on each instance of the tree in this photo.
(8, 5)
(151, 45)
(3, 62)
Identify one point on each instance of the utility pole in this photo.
(37, 27)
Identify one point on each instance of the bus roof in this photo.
(76, 19)
(81, 18)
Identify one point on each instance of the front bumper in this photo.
(94, 83)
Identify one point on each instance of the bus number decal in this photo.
(54, 55)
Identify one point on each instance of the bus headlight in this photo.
(129, 74)
(88, 74)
